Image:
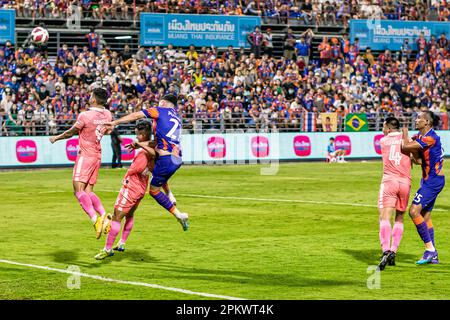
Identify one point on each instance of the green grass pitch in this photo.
(236, 246)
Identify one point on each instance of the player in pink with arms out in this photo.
(394, 190)
(89, 127)
(134, 187)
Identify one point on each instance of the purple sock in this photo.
(163, 200)
(422, 229)
(431, 233)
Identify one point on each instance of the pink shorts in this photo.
(394, 194)
(125, 200)
(86, 169)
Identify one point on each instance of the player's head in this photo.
(426, 120)
(391, 124)
(168, 101)
(99, 97)
(331, 140)
(143, 131)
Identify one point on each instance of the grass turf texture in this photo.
(241, 248)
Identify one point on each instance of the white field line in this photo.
(249, 199)
(133, 283)
(285, 200)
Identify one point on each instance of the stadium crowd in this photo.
(232, 89)
(310, 12)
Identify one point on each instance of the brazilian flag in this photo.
(356, 122)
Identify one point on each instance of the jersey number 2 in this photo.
(171, 134)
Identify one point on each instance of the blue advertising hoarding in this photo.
(391, 34)
(200, 30)
(7, 25)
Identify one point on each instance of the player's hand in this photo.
(405, 130)
(52, 140)
(133, 146)
(109, 125)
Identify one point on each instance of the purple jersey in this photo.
(432, 154)
(166, 128)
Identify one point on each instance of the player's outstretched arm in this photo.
(65, 135)
(128, 118)
(147, 146)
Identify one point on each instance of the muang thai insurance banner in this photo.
(214, 148)
(7, 25)
(200, 30)
(391, 34)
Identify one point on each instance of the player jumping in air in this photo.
(394, 190)
(133, 190)
(167, 130)
(428, 144)
(89, 127)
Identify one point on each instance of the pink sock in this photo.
(86, 204)
(397, 233)
(129, 222)
(385, 234)
(112, 235)
(97, 203)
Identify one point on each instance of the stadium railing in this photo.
(43, 125)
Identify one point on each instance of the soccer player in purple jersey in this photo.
(167, 130)
(428, 145)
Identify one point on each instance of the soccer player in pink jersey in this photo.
(89, 127)
(394, 190)
(134, 186)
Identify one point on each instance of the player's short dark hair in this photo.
(144, 126)
(100, 95)
(392, 122)
(433, 118)
(332, 138)
(171, 98)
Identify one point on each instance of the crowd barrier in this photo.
(229, 148)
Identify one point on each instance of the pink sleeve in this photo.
(79, 124)
(139, 164)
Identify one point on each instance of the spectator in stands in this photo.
(303, 50)
(406, 50)
(329, 13)
(289, 42)
(268, 42)
(255, 39)
(93, 40)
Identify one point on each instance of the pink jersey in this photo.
(136, 179)
(91, 130)
(396, 165)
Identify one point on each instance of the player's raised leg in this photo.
(165, 202)
(169, 193)
(164, 168)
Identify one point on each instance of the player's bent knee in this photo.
(153, 192)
